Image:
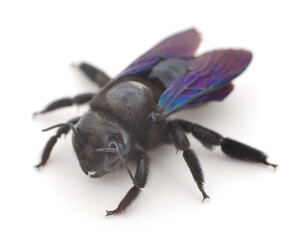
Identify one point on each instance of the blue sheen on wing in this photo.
(181, 45)
(208, 78)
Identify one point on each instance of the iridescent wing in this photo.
(181, 45)
(208, 78)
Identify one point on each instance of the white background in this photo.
(39, 41)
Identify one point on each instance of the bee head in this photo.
(101, 146)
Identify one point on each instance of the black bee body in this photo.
(129, 102)
(128, 116)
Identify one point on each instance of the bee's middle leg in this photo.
(66, 102)
(181, 142)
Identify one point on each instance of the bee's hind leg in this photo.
(229, 146)
(94, 74)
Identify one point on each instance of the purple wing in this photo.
(208, 78)
(181, 45)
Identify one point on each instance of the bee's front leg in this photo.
(141, 177)
(50, 144)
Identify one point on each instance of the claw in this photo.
(114, 212)
(38, 166)
(109, 213)
(205, 196)
(273, 165)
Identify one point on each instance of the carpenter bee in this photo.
(129, 115)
